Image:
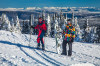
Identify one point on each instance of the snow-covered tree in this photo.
(98, 33)
(86, 36)
(84, 33)
(94, 36)
(17, 27)
(77, 31)
(6, 23)
(12, 26)
(73, 19)
(52, 25)
(43, 15)
(48, 25)
(57, 28)
(65, 22)
(61, 20)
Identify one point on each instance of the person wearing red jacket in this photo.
(41, 27)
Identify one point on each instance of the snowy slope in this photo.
(15, 51)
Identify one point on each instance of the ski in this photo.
(58, 43)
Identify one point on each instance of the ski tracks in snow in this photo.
(48, 59)
(31, 56)
(40, 57)
(52, 59)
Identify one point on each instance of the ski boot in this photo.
(43, 48)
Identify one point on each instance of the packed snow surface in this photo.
(15, 50)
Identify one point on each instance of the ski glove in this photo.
(72, 40)
(32, 27)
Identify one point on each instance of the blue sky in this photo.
(48, 3)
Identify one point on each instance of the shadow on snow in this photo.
(20, 45)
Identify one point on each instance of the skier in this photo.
(41, 27)
(69, 35)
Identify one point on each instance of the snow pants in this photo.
(40, 39)
(64, 48)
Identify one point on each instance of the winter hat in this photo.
(40, 19)
(69, 23)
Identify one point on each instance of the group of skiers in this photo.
(68, 33)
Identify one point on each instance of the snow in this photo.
(15, 51)
(83, 64)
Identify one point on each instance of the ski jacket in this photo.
(41, 27)
(69, 33)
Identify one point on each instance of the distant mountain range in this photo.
(24, 13)
(52, 8)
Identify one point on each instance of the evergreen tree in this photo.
(77, 31)
(94, 35)
(6, 23)
(98, 33)
(48, 25)
(84, 33)
(17, 27)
